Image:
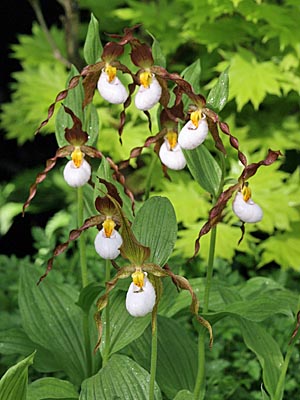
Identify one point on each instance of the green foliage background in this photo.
(259, 43)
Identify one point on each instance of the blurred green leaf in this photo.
(184, 395)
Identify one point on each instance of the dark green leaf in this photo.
(51, 388)
(177, 356)
(92, 49)
(15, 341)
(13, 384)
(155, 226)
(121, 378)
(218, 96)
(184, 395)
(88, 295)
(267, 351)
(204, 168)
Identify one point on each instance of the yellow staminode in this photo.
(77, 157)
(195, 117)
(108, 226)
(172, 139)
(138, 277)
(111, 72)
(246, 192)
(146, 78)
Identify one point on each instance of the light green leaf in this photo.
(121, 378)
(92, 48)
(155, 226)
(218, 95)
(124, 327)
(283, 248)
(204, 168)
(13, 384)
(192, 75)
(251, 80)
(51, 319)
(177, 356)
(53, 388)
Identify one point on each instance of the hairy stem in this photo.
(153, 354)
(84, 280)
(106, 351)
(200, 389)
(82, 249)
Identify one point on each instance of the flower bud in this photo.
(148, 94)
(108, 247)
(246, 210)
(140, 300)
(77, 176)
(111, 89)
(191, 136)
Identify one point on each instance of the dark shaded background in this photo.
(17, 17)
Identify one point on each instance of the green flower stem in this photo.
(153, 354)
(200, 387)
(106, 350)
(281, 381)
(82, 252)
(84, 279)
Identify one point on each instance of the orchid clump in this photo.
(138, 247)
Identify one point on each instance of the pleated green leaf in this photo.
(51, 319)
(124, 328)
(218, 96)
(155, 226)
(204, 168)
(258, 340)
(92, 48)
(121, 378)
(177, 356)
(53, 388)
(13, 384)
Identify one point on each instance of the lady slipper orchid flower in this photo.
(245, 208)
(170, 152)
(194, 132)
(140, 298)
(110, 87)
(77, 171)
(108, 241)
(149, 91)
